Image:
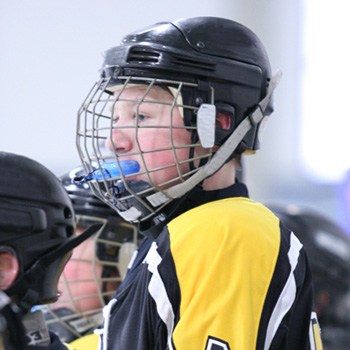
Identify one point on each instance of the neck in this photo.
(223, 178)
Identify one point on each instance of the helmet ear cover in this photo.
(225, 128)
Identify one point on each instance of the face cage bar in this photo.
(95, 125)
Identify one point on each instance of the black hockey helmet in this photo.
(211, 66)
(218, 54)
(36, 219)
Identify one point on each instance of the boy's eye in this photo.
(141, 117)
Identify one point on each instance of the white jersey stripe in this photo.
(287, 297)
(102, 345)
(158, 292)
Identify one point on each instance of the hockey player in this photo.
(160, 136)
(36, 236)
(37, 223)
(94, 271)
(328, 249)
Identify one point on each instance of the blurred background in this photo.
(51, 52)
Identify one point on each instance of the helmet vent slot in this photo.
(147, 55)
(185, 61)
(143, 55)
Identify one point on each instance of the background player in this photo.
(96, 268)
(36, 236)
(328, 248)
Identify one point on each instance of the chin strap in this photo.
(24, 287)
(222, 154)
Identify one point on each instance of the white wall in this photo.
(50, 56)
(274, 174)
(51, 53)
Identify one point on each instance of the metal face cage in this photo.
(91, 277)
(128, 178)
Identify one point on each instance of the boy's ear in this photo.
(9, 268)
(223, 121)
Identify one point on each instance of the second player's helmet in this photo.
(36, 225)
(328, 249)
(210, 66)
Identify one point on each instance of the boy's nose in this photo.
(120, 142)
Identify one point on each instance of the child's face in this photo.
(151, 133)
(80, 283)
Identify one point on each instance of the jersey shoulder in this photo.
(231, 218)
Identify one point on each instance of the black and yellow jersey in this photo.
(223, 275)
